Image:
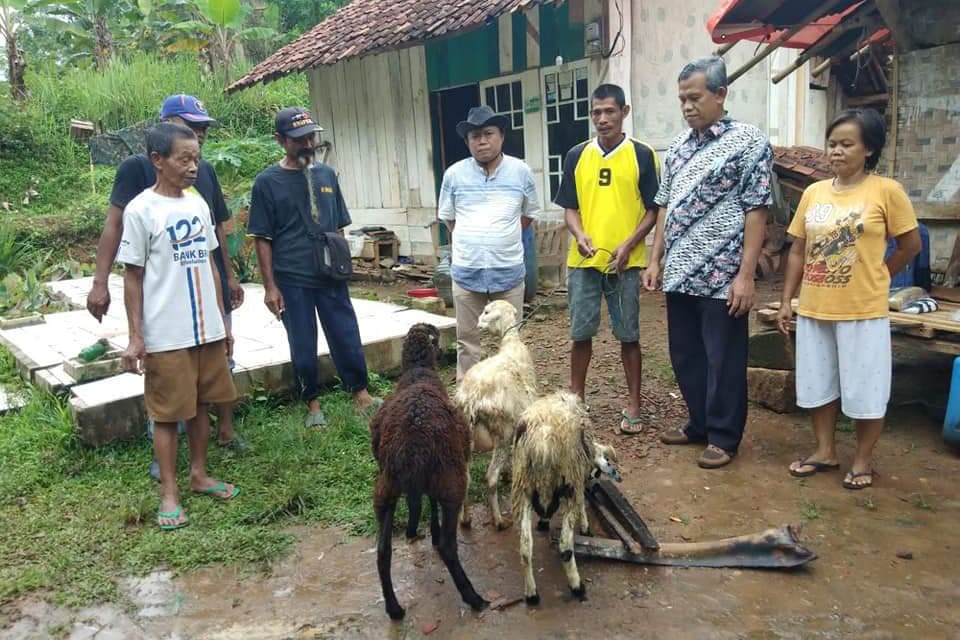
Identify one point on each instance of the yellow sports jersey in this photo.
(844, 274)
(612, 190)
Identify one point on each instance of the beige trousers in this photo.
(469, 305)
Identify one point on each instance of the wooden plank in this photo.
(772, 549)
(383, 108)
(860, 101)
(409, 166)
(951, 294)
(533, 38)
(347, 149)
(611, 524)
(505, 42)
(631, 519)
(400, 109)
(421, 120)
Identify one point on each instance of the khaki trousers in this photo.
(468, 306)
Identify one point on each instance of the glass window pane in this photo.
(550, 87)
(582, 88)
(581, 73)
(503, 98)
(551, 114)
(554, 186)
(583, 109)
(518, 119)
(513, 143)
(491, 100)
(517, 95)
(554, 164)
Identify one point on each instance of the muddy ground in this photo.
(859, 587)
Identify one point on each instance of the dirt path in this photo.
(858, 588)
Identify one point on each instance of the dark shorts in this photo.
(585, 288)
(175, 382)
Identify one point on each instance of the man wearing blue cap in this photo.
(135, 175)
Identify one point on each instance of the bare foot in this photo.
(213, 488)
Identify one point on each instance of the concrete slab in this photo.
(112, 408)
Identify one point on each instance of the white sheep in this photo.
(552, 459)
(493, 394)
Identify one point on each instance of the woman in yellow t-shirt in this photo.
(840, 236)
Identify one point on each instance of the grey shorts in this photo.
(585, 287)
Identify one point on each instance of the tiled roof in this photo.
(364, 27)
(804, 163)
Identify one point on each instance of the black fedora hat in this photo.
(480, 117)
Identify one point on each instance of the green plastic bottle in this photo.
(94, 351)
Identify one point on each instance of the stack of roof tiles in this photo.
(805, 165)
(364, 27)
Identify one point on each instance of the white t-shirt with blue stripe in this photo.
(172, 239)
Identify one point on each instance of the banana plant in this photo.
(217, 30)
(11, 20)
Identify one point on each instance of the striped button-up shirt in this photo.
(487, 243)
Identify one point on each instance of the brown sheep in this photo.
(422, 445)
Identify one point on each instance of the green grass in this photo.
(77, 519)
(811, 511)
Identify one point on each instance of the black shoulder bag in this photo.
(331, 252)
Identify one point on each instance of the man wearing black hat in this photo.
(286, 196)
(486, 201)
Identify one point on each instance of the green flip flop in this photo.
(220, 487)
(315, 419)
(629, 426)
(173, 515)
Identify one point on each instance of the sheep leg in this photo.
(584, 521)
(526, 555)
(434, 523)
(577, 588)
(414, 506)
(450, 557)
(500, 458)
(385, 512)
(466, 520)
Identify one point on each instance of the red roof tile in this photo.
(803, 161)
(364, 27)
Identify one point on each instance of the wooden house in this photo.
(389, 80)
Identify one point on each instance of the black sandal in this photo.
(817, 468)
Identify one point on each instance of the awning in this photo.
(825, 28)
(766, 20)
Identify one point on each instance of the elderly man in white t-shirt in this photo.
(486, 201)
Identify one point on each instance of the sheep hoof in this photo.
(566, 555)
(580, 593)
(587, 532)
(396, 613)
(479, 605)
(543, 525)
(533, 600)
(415, 537)
(466, 523)
(504, 523)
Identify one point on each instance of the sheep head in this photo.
(421, 347)
(603, 457)
(497, 317)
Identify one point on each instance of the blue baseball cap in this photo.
(186, 107)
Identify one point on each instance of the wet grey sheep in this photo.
(552, 459)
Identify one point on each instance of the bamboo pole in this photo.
(789, 33)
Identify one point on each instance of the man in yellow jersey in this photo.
(607, 192)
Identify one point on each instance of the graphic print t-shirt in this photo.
(172, 239)
(844, 275)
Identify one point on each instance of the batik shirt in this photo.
(709, 184)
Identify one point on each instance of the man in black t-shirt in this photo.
(135, 175)
(287, 197)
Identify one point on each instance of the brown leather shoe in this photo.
(677, 436)
(714, 457)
